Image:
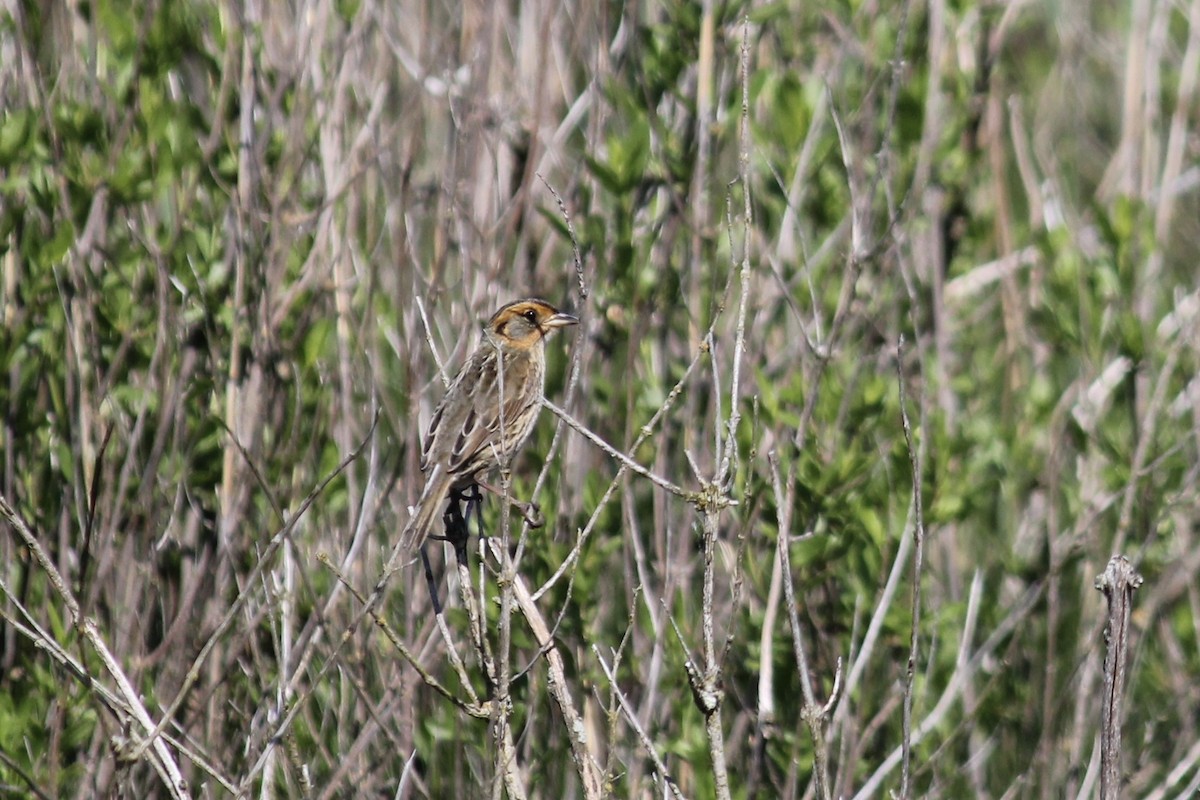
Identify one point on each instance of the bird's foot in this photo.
(531, 512)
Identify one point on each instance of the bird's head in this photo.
(526, 322)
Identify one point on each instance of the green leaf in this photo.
(630, 153)
(15, 130)
(316, 342)
(1132, 341)
(52, 252)
(607, 176)
(790, 111)
(628, 156)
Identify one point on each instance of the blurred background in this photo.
(242, 243)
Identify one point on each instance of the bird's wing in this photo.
(479, 427)
(451, 413)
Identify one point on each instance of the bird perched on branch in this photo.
(489, 410)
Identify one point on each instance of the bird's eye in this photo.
(530, 315)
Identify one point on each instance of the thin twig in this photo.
(595, 439)
(724, 474)
(664, 775)
(472, 707)
(575, 252)
(918, 556)
(707, 692)
(813, 715)
(437, 359)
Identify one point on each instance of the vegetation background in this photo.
(240, 242)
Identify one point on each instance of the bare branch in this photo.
(625, 460)
(664, 775)
(1118, 582)
(918, 557)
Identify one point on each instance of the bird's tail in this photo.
(437, 486)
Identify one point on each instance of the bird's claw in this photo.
(532, 513)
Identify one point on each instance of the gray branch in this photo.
(1117, 582)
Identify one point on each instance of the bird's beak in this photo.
(560, 320)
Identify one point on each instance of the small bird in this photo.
(489, 410)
